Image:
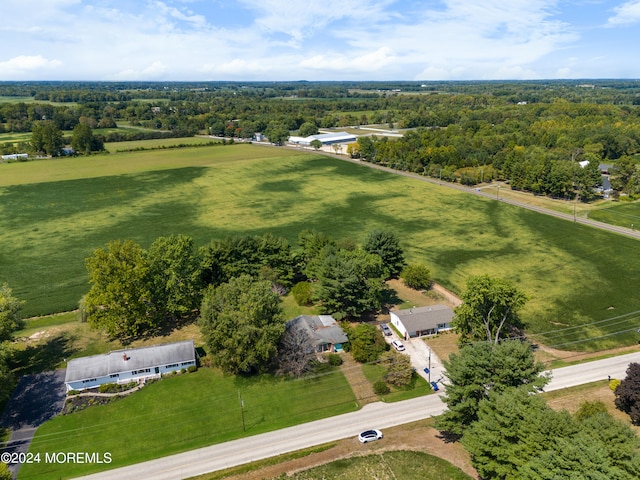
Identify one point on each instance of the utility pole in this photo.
(242, 410)
(429, 365)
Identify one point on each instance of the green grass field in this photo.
(405, 465)
(54, 213)
(622, 214)
(184, 412)
(114, 147)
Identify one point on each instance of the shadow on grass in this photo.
(42, 357)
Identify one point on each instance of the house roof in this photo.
(424, 318)
(325, 138)
(322, 329)
(137, 359)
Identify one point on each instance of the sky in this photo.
(288, 40)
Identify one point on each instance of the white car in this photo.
(370, 436)
(397, 344)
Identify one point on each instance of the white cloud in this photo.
(626, 14)
(367, 62)
(26, 64)
(300, 19)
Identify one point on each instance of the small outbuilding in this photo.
(128, 365)
(416, 322)
(325, 335)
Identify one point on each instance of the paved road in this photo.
(378, 415)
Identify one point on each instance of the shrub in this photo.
(107, 388)
(381, 388)
(417, 276)
(613, 384)
(302, 293)
(192, 368)
(334, 359)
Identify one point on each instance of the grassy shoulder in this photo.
(184, 412)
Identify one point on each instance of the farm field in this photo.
(114, 147)
(621, 214)
(579, 280)
(185, 412)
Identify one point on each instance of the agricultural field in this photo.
(184, 412)
(114, 147)
(580, 281)
(622, 214)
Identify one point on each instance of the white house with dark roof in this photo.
(416, 322)
(129, 364)
(324, 332)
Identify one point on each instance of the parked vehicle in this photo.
(435, 387)
(385, 329)
(369, 436)
(397, 344)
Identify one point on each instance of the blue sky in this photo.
(192, 40)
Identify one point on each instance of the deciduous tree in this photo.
(120, 296)
(242, 324)
(46, 138)
(416, 276)
(628, 393)
(10, 319)
(489, 311)
(175, 275)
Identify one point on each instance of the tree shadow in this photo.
(42, 357)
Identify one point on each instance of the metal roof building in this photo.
(129, 364)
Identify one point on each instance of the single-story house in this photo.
(129, 365)
(325, 335)
(416, 322)
(324, 138)
(16, 156)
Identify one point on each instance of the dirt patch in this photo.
(418, 436)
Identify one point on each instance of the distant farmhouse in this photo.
(324, 333)
(129, 365)
(16, 156)
(324, 138)
(416, 322)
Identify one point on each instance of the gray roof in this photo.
(322, 329)
(424, 318)
(113, 362)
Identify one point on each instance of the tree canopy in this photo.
(386, 245)
(10, 319)
(628, 393)
(242, 324)
(479, 369)
(489, 311)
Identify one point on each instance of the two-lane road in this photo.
(376, 415)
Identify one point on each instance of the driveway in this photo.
(421, 357)
(36, 399)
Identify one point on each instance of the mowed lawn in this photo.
(184, 412)
(53, 214)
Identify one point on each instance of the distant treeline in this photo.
(532, 134)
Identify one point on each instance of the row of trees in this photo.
(233, 285)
